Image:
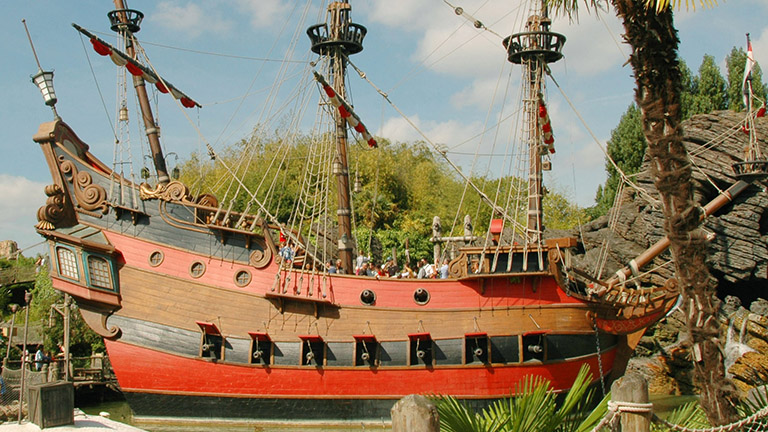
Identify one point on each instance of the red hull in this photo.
(144, 370)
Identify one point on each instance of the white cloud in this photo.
(445, 134)
(190, 18)
(593, 44)
(760, 50)
(262, 13)
(21, 199)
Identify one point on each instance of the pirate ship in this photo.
(202, 317)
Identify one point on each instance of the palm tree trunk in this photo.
(654, 61)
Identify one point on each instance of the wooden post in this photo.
(467, 228)
(437, 233)
(415, 413)
(633, 389)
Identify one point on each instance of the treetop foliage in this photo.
(702, 93)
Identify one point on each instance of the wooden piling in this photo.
(415, 413)
(633, 390)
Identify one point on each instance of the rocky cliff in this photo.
(738, 254)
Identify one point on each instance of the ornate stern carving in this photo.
(261, 256)
(173, 191)
(56, 212)
(96, 318)
(90, 196)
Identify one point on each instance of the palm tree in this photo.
(650, 32)
(535, 407)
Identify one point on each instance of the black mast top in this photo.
(127, 22)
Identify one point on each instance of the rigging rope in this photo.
(642, 192)
(483, 196)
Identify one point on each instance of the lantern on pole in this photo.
(43, 79)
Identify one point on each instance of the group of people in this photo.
(364, 266)
(425, 270)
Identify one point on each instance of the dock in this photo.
(83, 423)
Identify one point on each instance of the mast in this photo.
(534, 49)
(126, 22)
(337, 39)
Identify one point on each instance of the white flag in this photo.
(746, 85)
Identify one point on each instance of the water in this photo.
(121, 412)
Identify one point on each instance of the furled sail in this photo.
(137, 69)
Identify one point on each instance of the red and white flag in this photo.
(746, 86)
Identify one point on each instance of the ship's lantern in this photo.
(44, 81)
(123, 115)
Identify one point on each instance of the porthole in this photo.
(421, 296)
(368, 297)
(156, 258)
(197, 269)
(242, 278)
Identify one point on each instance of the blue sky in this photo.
(434, 65)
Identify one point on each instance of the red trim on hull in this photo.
(492, 292)
(627, 326)
(144, 370)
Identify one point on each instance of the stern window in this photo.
(99, 272)
(67, 263)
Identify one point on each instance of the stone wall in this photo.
(8, 249)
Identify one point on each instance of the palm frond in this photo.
(690, 415)
(662, 5)
(594, 417)
(456, 416)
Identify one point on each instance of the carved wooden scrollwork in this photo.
(96, 318)
(55, 213)
(458, 267)
(89, 196)
(173, 191)
(261, 256)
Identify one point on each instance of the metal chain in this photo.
(599, 358)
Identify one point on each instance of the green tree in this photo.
(708, 90)
(627, 148)
(735, 63)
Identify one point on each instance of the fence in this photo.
(630, 411)
(88, 371)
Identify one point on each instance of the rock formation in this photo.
(738, 254)
(8, 249)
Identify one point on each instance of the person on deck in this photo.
(422, 269)
(390, 268)
(430, 271)
(331, 267)
(339, 268)
(407, 271)
(444, 270)
(286, 253)
(39, 358)
(363, 270)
